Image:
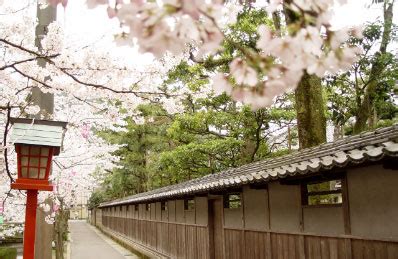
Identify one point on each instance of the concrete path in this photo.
(89, 243)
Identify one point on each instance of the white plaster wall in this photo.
(373, 196)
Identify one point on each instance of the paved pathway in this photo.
(88, 243)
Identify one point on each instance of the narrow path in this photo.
(88, 243)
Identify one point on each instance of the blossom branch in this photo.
(49, 59)
(23, 61)
(6, 128)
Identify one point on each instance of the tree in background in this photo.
(367, 111)
(361, 86)
(139, 144)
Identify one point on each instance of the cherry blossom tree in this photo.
(309, 45)
(90, 87)
(94, 90)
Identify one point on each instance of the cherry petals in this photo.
(243, 73)
(170, 25)
(221, 85)
(94, 3)
(64, 3)
(32, 109)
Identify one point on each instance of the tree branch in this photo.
(5, 142)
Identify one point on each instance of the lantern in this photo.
(36, 142)
(34, 164)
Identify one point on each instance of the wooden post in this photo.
(30, 225)
(346, 205)
(44, 234)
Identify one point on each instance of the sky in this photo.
(94, 26)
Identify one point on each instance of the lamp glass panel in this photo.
(24, 172)
(34, 161)
(33, 173)
(35, 151)
(24, 161)
(42, 174)
(43, 161)
(45, 151)
(25, 150)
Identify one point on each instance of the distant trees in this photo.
(364, 97)
(212, 131)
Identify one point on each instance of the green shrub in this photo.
(8, 253)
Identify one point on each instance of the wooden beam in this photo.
(346, 206)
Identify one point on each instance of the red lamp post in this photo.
(36, 142)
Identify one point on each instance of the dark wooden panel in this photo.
(364, 249)
(181, 246)
(159, 237)
(163, 238)
(153, 235)
(202, 243)
(172, 240)
(191, 241)
(256, 245)
(233, 244)
(284, 246)
(216, 231)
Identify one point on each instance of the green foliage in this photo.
(8, 253)
(140, 144)
(346, 91)
(244, 32)
(212, 134)
(96, 198)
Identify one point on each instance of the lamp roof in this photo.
(38, 132)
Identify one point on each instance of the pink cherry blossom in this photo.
(273, 5)
(221, 84)
(192, 8)
(243, 73)
(311, 40)
(64, 3)
(168, 26)
(85, 131)
(111, 12)
(265, 37)
(94, 3)
(211, 38)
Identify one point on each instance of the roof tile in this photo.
(356, 149)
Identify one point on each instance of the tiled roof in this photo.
(367, 146)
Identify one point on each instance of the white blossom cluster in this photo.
(91, 88)
(313, 48)
(170, 25)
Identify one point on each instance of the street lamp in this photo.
(36, 142)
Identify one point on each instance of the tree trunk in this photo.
(61, 230)
(311, 120)
(364, 113)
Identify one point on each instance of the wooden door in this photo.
(216, 234)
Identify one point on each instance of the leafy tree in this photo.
(140, 144)
(379, 64)
(347, 92)
(212, 133)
